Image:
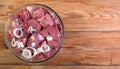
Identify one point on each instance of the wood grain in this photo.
(59, 67)
(82, 15)
(92, 39)
(93, 48)
(83, 58)
(85, 52)
(85, 41)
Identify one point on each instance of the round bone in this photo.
(32, 30)
(27, 53)
(15, 32)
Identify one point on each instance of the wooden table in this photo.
(92, 35)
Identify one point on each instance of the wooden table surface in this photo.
(92, 35)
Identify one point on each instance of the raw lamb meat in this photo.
(34, 33)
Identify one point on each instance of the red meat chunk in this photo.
(18, 50)
(39, 27)
(38, 13)
(44, 32)
(40, 56)
(47, 21)
(25, 15)
(53, 31)
(37, 38)
(54, 43)
(31, 23)
(24, 40)
(50, 53)
(15, 16)
(34, 24)
(20, 21)
(31, 9)
(25, 30)
(16, 19)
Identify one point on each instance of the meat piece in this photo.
(47, 21)
(44, 32)
(40, 56)
(42, 42)
(18, 50)
(53, 31)
(41, 32)
(31, 9)
(55, 18)
(55, 42)
(50, 53)
(16, 25)
(20, 21)
(38, 13)
(24, 40)
(46, 11)
(25, 30)
(16, 19)
(36, 39)
(15, 16)
(34, 24)
(25, 15)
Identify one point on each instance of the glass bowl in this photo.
(18, 50)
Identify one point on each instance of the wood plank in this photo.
(92, 48)
(80, 58)
(82, 15)
(116, 57)
(80, 41)
(60, 67)
(86, 48)
(86, 45)
(80, 48)
(85, 41)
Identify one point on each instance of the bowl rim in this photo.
(9, 45)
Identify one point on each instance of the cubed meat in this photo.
(44, 32)
(25, 15)
(36, 39)
(31, 9)
(34, 24)
(53, 31)
(47, 21)
(38, 13)
(50, 53)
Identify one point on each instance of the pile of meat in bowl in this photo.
(34, 33)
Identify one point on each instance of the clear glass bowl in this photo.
(8, 39)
